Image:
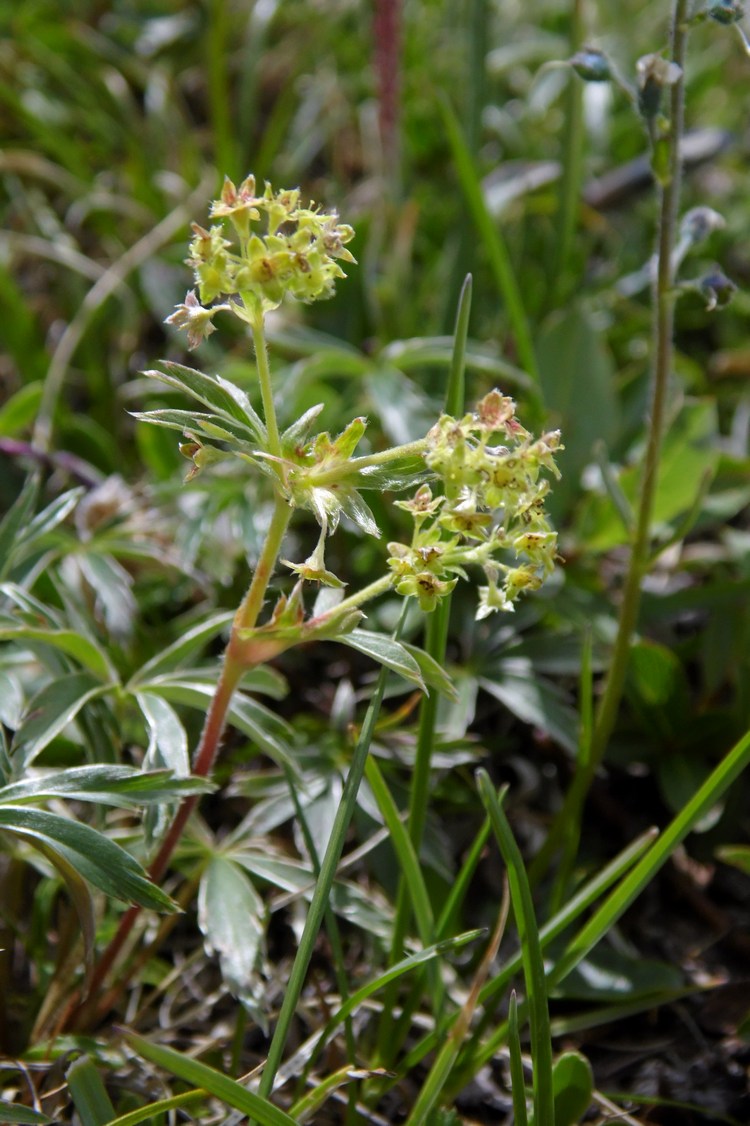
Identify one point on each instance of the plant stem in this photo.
(663, 350)
(390, 1036)
(382, 457)
(205, 755)
(366, 594)
(393, 453)
(663, 331)
(250, 607)
(204, 759)
(266, 391)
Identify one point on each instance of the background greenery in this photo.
(118, 121)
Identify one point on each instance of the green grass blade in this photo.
(633, 884)
(531, 953)
(579, 903)
(455, 392)
(461, 883)
(406, 965)
(161, 1106)
(89, 1093)
(569, 195)
(440, 1072)
(220, 1086)
(22, 1116)
(572, 826)
(436, 640)
(517, 1080)
(324, 883)
(406, 853)
(493, 242)
(624, 894)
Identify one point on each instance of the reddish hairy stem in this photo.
(205, 757)
(236, 660)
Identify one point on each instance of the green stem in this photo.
(366, 594)
(390, 1035)
(353, 465)
(663, 349)
(250, 607)
(266, 391)
(394, 453)
(663, 331)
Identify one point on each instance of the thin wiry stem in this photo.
(663, 352)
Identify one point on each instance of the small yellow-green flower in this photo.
(278, 249)
(491, 514)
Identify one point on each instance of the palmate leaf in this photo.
(214, 392)
(29, 608)
(125, 787)
(49, 518)
(167, 738)
(84, 651)
(14, 520)
(407, 660)
(213, 425)
(268, 731)
(533, 699)
(78, 890)
(50, 711)
(231, 916)
(183, 648)
(32, 541)
(11, 700)
(95, 857)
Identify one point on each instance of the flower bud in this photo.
(591, 65)
(718, 290)
(725, 11)
(654, 73)
(698, 223)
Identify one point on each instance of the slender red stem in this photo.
(235, 664)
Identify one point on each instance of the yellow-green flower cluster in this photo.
(279, 248)
(491, 512)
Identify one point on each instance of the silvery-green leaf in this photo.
(231, 917)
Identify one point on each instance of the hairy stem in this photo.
(663, 351)
(366, 594)
(205, 755)
(663, 331)
(266, 391)
(250, 607)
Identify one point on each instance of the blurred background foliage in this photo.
(114, 113)
(118, 121)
